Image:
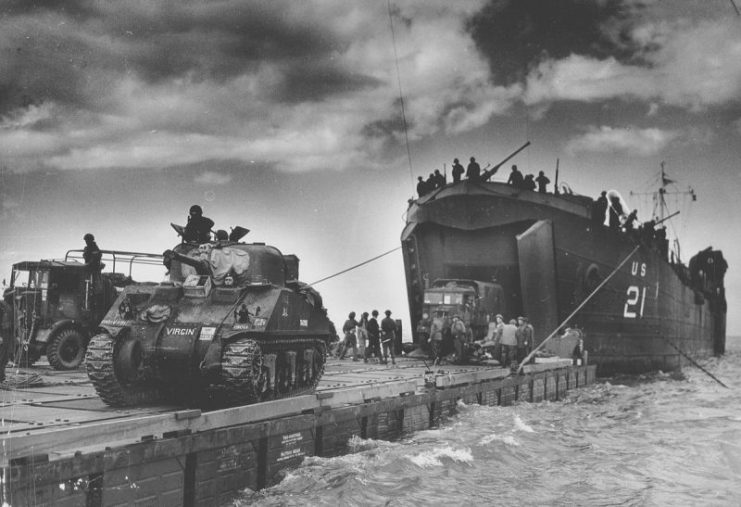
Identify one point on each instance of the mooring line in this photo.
(355, 266)
(693, 362)
(530, 355)
(581, 305)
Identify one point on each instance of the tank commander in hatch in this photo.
(222, 236)
(198, 229)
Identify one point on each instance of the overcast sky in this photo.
(285, 117)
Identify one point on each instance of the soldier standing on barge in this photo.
(349, 340)
(388, 334)
(374, 340)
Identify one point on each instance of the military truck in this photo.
(53, 307)
(475, 302)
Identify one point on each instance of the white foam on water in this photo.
(520, 425)
(506, 439)
(433, 458)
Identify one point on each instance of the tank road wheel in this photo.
(242, 372)
(313, 369)
(310, 371)
(118, 386)
(66, 350)
(319, 359)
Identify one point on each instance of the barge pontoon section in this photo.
(62, 446)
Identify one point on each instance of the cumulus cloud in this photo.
(296, 85)
(689, 66)
(305, 85)
(643, 142)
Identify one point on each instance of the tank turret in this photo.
(231, 326)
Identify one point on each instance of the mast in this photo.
(661, 212)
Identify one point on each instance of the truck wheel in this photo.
(67, 350)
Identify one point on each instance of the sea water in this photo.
(650, 440)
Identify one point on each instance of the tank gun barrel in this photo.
(489, 173)
(202, 267)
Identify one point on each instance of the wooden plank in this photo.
(48, 416)
(27, 398)
(455, 379)
(552, 365)
(133, 429)
(66, 390)
(357, 395)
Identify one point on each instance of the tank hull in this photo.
(200, 341)
(549, 256)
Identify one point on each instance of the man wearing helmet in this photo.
(199, 227)
(91, 254)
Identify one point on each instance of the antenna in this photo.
(659, 196)
(401, 94)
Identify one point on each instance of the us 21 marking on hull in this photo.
(638, 267)
(635, 303)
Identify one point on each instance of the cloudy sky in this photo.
(286, 118)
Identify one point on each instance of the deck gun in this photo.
(489, 173)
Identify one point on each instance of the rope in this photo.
(581, 305)
(735, 8)
(693, 362)
(355, 266)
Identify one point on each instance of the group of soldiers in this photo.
(505, 342)
(529, 181)
(508, 342)
(473, 173)
(367, 338)
(609, 208)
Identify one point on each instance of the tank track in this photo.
(242, 384)
(101, 371)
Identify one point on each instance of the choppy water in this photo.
(654, 440)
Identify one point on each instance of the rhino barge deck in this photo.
(62, 446)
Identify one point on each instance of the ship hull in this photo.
(550, 257)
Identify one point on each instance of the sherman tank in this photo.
(231, 326)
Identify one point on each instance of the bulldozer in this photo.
(232, 325)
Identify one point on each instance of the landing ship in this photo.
(549, 256)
